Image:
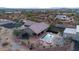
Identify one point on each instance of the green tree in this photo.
(17, 32)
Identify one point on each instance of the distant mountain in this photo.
(62, 9)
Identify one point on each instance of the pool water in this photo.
(48, 37)
(53, 39)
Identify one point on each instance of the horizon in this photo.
(41, 8)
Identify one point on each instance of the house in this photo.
(72, 33)
(39, 27)
(34, 29)
(77, 33)
(7, 23)
(62, 17)
(69, 32)
(65, 25)
(9, 12)
(17, 12)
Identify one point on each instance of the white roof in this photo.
(61, 16)
(39, 27)
(70, 30)
(77, 29)
(5, 21)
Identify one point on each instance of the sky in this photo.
(39, 3)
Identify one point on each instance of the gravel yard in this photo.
(6, 36)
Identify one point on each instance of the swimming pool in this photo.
(48, 37)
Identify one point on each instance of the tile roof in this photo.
(39, 27)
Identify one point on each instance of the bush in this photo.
(21, 34)
(17, 32)
(5, 44)
(18, 24)
(25, 36)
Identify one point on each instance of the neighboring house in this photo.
(62, 17)
(69, 32)
(77, 33)
(64, 21)
(17, 12)
(9, 12)
(5, 21)
(66, 25)
(72, 33)
(37, 28)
